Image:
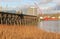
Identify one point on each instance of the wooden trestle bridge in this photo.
(17, 19)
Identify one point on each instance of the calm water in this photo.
(50, 26)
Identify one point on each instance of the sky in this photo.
(15, 3)
(42, 4)
(12, 3)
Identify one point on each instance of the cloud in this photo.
(49, 6)
(45, 1)
(57, 2)
(0, 0)
(43, 4)
(11, 0)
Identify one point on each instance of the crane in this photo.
(38, 7)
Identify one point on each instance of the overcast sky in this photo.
(43, 4)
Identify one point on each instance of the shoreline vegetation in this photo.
(25, 32)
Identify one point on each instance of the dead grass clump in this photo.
(25, 32)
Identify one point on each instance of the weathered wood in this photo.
(16, 19)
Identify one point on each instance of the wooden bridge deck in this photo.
(17, 19)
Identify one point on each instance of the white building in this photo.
(32, 11)
(0, 8)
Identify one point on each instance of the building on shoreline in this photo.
(32, 11)
(0, 8)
